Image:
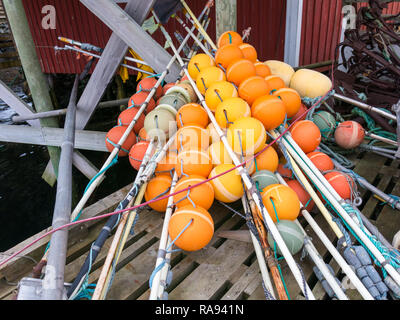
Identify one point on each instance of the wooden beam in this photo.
(17, 104)
(133, 35)
(85, 140)
(226, 15)
(108, 64)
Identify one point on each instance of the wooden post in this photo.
(226, 14)
(36, 80)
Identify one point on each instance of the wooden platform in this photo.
(225, 269)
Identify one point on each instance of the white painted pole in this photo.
(294, 21)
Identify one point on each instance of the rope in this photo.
(338, 157)
(161, 265)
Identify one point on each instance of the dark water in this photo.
(26, 200)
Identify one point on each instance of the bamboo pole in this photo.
(54, 277)
(155, 290)
(267, 252)
(246, 179)
(36, 80)
(334, 198)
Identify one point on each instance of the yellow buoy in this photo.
(247, 135)
(310, 83)
(228, 188)
(281, 69)
(219, 154)
(208, 77)
(219, 92)
(230, 110)
(198, 63)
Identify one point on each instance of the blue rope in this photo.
(86, 290)
(161, 265)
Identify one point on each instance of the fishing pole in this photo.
(90, 47)
(338, 203)
(67, 47)
(247, 180)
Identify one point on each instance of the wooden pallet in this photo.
(225, 269)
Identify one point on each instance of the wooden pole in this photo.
(36, 80)
(54, 278)
(226, 16)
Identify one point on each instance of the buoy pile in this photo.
(249, 101)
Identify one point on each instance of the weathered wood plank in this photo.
(105, 205)
(226, 16)
(85, 140)
(16, 103)
(108, 64)
(133, 35)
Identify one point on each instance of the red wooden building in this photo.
(320, 33)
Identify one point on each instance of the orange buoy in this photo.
(268, 160)
(219, 92)
(307, 135)
(247, 135)
(230, 110)
(143, 135)
(240, 70)
(228, 188)
(192, 137)
(147, 84)
(157, 188)
(137, 100)
(300, 115)
(193, 228)
(127, 116)
(198, 63)
(114, 136)
(227, 54)
(291, 100)
(167, 86)
(208, 77)
(262, 70)
(285, 204)
(229, 37)
(321, 160)
(136, 154)
(270, 110)
(218, 154)
(349, 134)
(285, 172)
(167, 165)
(192, 114)
(275, 83)
(202, 195)
(303, 195)
(252, 88)
(249, 52)
(193, 162)
(342, 183)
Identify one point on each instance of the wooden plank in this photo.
(133, 35)
(85, 140)
(249, 276)
(226, 16)
(106, 204)
(211, 275)
(16, 103)
(108, 64)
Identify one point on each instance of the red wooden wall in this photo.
(267, 18)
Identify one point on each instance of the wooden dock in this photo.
(225, 269)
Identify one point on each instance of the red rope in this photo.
(169, 195)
